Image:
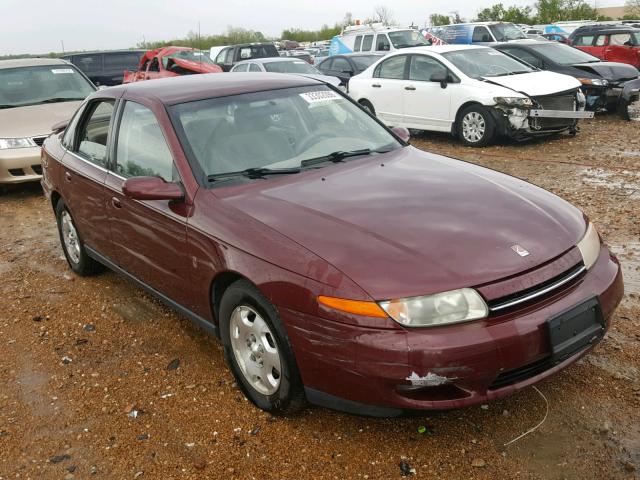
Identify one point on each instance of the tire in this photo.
(476, 126)
(258, 350)
(366, 104)
(71, 242)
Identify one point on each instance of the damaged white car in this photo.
(474, 92)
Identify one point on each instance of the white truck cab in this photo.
(375, 37)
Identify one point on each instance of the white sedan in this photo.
(471, 91)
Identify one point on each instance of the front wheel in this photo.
(258, 351)
(476, 127)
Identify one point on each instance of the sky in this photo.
(30, 26)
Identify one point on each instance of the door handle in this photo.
(67, 176)
(410, 87)
(376, 85)
(116, 203)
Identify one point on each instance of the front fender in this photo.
(629, 105)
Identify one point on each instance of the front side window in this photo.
(221, 55)
(341, 65)
(367, 42)
(20, 87)
(254, 68)
(481, 34)
(392, 68)
(277, 129)
(601, 40)
(89, 63)
(505, 32)
(382, 43)
(584, 41)
(94, 132)
(628, 39)
(407, 38)
(141, 148)
(485, 62)
(423, 67)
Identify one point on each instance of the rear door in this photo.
(621, 49)
(426, 104)
(386, 90)
(148, 237)
(85, 171)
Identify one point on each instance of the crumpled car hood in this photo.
(537, 83)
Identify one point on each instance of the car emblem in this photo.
(520, 250)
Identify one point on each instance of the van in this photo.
(375, 37)
(106, 68)
(480, 33)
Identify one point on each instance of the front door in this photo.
(426, 104)
(387, 88)
(148, 237)
(622, 49)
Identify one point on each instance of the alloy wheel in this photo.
(70, 237)
(255, 350)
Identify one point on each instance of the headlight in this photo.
(589, 246)
(600, 82)
(439, 309)
(517, 102)
(6, 143)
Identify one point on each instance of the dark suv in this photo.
(613, 43)
(229, 56)
(106, 68)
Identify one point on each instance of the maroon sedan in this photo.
(335, 262)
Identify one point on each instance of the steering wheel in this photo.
(493, 69)
(312, 140)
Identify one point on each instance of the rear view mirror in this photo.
(402, 132)
(151, 188)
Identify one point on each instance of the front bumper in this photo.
(367, 371)
(19, 165)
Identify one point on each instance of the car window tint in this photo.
(254, 68)
(525, 56)
(601, 40)
(422, 67)
(89, 63)
(382, 43)
(584, 41)
(481, 34)
(620, 39)
(327, 64)
(121, 60)
(141, 149)
(367, 42)
(341, 65)
(392, 68)
(92, 138)
(358, 43)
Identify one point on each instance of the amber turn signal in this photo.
(357, 307)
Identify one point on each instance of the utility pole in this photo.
(62, 43)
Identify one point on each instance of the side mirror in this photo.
(441, 77)
(403, 133)
(151, 188)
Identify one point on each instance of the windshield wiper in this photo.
(339, 156)
(61, 99)
(252, 173)
(7, 106)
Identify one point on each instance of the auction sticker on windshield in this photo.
(62, 70)
(321, 96)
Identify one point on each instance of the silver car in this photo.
(290, 65)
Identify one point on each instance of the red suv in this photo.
(609, 43)
(334, 261)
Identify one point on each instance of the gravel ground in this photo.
(101, 381)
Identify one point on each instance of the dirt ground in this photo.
(85, 391)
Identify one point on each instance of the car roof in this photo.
(525, 42)
(441, 48)
(95, 52)
(189, 88)
(607, 28)
(31, 62)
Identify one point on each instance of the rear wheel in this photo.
(476, 127)
(366, 104)
(258, 351)
(72, 245)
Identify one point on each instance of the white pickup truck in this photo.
(474, 92)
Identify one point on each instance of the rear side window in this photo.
(367, 42)
(241, 68)
(341, 65)
(481, 34)
(89, 63)
(392, 68)
(94, 131)
(254, 68)
(221, 55)
(601, 40)
(584, 41)
(141, 149)
(621, 39)
(356, 46)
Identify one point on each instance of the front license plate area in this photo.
(575, 329)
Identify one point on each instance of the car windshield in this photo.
(486, 62)
(407, 38)
(297, 66)
(24, 86)
(563, 54)
(365, 61)
(191, 55)
(506, 31)
(277, 130)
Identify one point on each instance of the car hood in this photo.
(34, 120)
(612, 71)
(537, 83)
(409, 223)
